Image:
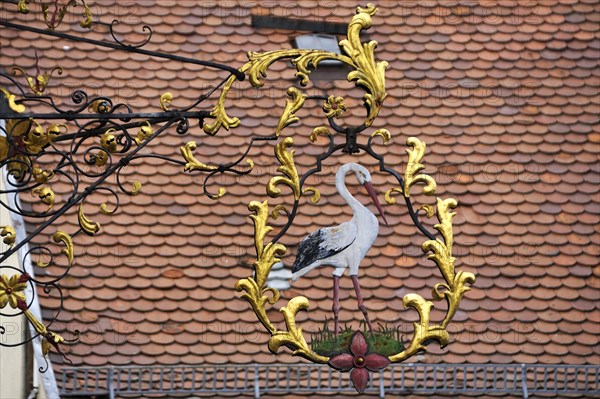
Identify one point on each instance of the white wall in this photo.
(12, 360)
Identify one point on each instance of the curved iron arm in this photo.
(239, 75)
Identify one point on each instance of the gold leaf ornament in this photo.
(316, 197)
(39, 83)
(99, 106)
(192, 163)
(69, 249)
(88, 226)
(414, 166)
(100, 158)
(267, 256)
(293, 336)
(4, 146)
(18, 108)
(165, 100)
(292, 104)
(319, 131)
(288, 168)
(22, 6)
(136, 188)
(276, 211)
(441, 253)
(368, 73)
(384, 134)
(429, 210)
(108, 141)
(423, 331)
(88, 19)
(46, 195)
(58, 14)
(144, 133)
(9, 235)
(388, 195)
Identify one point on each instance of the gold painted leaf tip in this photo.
(165, 100)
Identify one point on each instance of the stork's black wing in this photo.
(324, 243)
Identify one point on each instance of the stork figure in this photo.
(343, 246)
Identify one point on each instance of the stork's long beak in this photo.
(373, 195)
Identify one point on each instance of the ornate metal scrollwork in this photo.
(97, 138)
(369, 75)
(46, 147)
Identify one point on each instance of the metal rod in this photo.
(524, 381)
(239, 75)
(70, 116)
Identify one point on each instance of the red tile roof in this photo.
(504, 94)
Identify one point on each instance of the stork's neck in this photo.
(340, 184)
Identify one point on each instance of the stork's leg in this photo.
(361, 303)
(336, 303)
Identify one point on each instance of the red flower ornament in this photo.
(359, 361)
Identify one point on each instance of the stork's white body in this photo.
(347, 243)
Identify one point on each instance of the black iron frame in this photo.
(108, 115)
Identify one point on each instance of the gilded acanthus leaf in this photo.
(267, 255)
(42, 176)
(384, 134)
(219, 113)
(165, 100)
(388, 195)
(22, 6)
(88, 226)
(293, 104)
(256, 68)
(38, 83)
(105, 210)
(316, 194)
(423, 332)
(8, 234)
(136, 188)
(192, 163)
(368, 73)
(319, 131)
(312, 58)
(69, 250)
(442, 250)
(195, 164)
(46, 195)
(429, 210)
(453, 289)
(293, 337)
(414, 165)
(144, 133)
(441, 253)
(255, 296)
(276, 210)
(288, 168)
(88, 19)
(108, 141)
(55, 18)
(18, 108)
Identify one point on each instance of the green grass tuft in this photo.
(385, 340)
